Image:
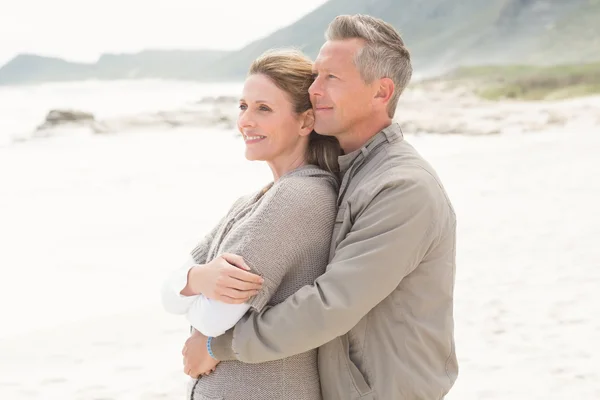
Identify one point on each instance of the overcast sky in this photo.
(80, 30)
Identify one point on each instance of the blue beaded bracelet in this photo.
(209, 348)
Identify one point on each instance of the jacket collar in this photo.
(388, 134)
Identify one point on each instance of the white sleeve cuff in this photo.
(173, 301)
(212, 317)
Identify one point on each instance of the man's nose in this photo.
(315, 88)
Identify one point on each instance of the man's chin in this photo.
(324, 130)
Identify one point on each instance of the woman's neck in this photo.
(281, 167)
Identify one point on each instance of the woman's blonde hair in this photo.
(291, 71)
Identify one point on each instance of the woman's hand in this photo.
(226, 279)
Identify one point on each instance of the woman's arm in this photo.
(277, 235)
(177, 292)
(213, 317)
(209, 317)
(225, 279)
(173, 301)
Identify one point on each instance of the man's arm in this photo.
(388, 241)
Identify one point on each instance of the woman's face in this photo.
(272, 130)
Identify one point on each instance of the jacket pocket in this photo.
(356, 377)
(340, 377)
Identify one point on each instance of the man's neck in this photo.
(358, 137)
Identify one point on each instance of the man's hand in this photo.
(226, 279)
(196, 360)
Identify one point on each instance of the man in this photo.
(382, 314)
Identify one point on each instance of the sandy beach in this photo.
(93, 223)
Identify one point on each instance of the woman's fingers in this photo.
(236, 300)
(236, 284)
(239, 294)
(235, 260)
(244, 276)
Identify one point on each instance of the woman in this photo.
(282, 232)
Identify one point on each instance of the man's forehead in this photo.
(338, 51)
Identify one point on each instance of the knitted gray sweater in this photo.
(283, 233)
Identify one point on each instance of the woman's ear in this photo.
(308, 122)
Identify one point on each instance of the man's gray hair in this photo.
(384, 54)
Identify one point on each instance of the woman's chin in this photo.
(254, 156)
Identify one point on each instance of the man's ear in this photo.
(308, 122)
(385, 91)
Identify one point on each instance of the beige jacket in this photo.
(382, 313)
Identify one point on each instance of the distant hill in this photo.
(441, 34)
(525, 82)
(444, 34)
(29, 68)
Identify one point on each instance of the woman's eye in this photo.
(243, 107)
(264, 108)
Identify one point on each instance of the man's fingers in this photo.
(191, 371)
(245, 276)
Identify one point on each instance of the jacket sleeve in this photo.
(389, 238)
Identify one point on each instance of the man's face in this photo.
(340, 96)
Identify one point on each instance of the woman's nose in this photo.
(245, 119)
